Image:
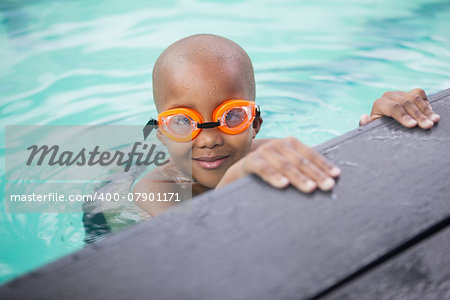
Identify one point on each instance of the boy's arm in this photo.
(281, 162)
(259, 142)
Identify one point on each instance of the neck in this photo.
(198, 189)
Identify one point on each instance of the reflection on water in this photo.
(319, 65)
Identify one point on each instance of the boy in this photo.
(205, 76)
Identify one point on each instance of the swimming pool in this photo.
(318, 64)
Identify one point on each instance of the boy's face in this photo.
(203, 87)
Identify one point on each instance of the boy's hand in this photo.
(408, 108)
(281, 162)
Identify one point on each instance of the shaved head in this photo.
(200, 73)
(209, 56)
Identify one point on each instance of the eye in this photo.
(180, 125)
(235, 117)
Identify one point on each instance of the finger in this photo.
(306, 167)
(267, 172)
(391, 108)
(419, 92)
(412, 109)
(425, 107)
(285, 167)
(365, 119)
(314, 157)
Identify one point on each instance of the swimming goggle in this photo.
(184, 124)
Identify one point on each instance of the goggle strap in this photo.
(208, 125)
(149, 127)
(258, 112)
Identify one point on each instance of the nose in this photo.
(209, 138)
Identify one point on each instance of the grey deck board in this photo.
(250, 241)
(421, 272)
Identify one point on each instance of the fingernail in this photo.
(283, 181)
(435, 117)
(310, 185)
(411, 122)
(335, 171)
(428, 123)
(327, 185)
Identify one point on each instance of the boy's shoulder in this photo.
(161, 183)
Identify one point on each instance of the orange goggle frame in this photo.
(184, 124)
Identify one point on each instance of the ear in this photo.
(160, 137)
(257, 122)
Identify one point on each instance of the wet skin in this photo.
(201, 72)
(203, 87)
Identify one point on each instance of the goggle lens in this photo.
(235, 117)
(179, 125)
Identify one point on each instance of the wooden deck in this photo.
(384, 233)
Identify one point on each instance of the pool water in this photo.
(318, 65)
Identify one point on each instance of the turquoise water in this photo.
(318, 64)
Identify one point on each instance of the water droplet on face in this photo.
(213, 90)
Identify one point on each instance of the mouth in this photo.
(211, 162)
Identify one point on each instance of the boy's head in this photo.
(201, 72)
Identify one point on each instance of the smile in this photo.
(211, 162)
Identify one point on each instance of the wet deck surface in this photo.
(384, 233)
